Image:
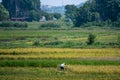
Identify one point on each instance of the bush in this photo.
(91, 39)
(50, 25)
(13, 24)
(20, 25)
(6, 24)
(97, 24)
(116, 24)
(36, 43)
(54, 43)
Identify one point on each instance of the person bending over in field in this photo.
(62, 66)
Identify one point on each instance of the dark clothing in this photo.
(62, 68)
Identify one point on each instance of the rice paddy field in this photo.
(37, 54)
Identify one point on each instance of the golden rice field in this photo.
(96, 69)
(72, 71)
(112, 53)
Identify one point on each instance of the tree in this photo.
(108, 9)
(70, 11)
(95, 11)
(48, 16)
(57, 15)
(4, 14)
(86, 13)
(34, 15)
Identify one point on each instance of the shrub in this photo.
(13, 24)
(54, 43)
(6, 24)
(97, 24)
(116, 24)
(89, 24)
(36, 43)
(50, 25)
(91, 39)
(20, 25)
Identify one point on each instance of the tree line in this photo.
(97, 11)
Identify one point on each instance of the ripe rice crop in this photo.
(95, 69)
(37, 73)
(59, 53)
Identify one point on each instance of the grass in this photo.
(70, 39)
(54, 62)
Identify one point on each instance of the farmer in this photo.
(62, 66)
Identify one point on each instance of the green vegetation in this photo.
(95, 11)
(4, 14)
(11, 24)
(67, 38)
(49, 25)
(34, 15)
(57, 15)
(91, 39)
(20, 8)
(29, 10)
(54, 62)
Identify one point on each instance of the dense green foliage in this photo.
(4, 14)
(97, 11)
(57, 15)
(70, 11)
(29, 9)
(34, 15)
(21, 8)
(51, 16)
(108, 9)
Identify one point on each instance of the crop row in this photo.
(38, 53)
(54, 62)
